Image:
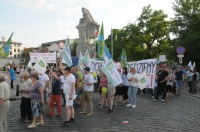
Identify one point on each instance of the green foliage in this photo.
(186, 27)
(151, 29)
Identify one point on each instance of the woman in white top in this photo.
(133, 78)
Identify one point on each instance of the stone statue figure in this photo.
(87, 28)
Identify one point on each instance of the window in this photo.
(10, 52)
(14, 50)
(18, 50)
(10, 47)
(14, 56)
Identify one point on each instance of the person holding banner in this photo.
(133, 79)
(162, 83)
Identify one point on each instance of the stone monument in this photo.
(87, 29)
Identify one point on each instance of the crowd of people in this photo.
(76, 88)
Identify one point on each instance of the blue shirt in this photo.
(12, 74)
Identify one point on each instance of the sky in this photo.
(38, 21)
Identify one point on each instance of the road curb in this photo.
(193, 95)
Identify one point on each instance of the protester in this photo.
(179, 80)
(189, 79)
(4, 103)
(62, 92)
(12, 76)
(44, 80)
(170, 81)
(37, 100)
(162, 82)
(125, 85)
(133, 78)
(194, 83)
(103, 84)
(111, 93)
(69, 90)
(87, 94)
(55, 96)
(25, 106)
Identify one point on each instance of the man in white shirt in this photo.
(69, 91)
(87, 94)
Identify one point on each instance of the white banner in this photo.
(48, 57)
(111, 72)
(147, 66)
(40, 65)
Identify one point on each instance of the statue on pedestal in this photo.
(87, 29)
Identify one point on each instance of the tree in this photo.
(186, 27)
(151, 29)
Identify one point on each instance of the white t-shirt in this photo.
(88, 78)
(27, 86)
(133, 83)
(67, 83)
(43, 78)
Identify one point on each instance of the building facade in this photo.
(15, 49)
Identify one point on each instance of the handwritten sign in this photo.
(48, 57)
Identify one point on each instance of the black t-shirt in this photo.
(179, 75)
(162, 75)
(56, 87)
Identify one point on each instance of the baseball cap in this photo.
(87, 68)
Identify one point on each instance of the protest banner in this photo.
(40, 65)
(148, 66)
(48, 57)
(111, 72)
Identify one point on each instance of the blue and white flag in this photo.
(190, 65)
(86, 59)
(111, 72)
(66, 55)
(80, 62)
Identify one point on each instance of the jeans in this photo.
(132, 91)
(57, 99)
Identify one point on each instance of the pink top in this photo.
(103, 81)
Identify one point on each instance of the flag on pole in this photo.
(5, 49)
(86, 59)
(123, 59)
(142, 81)
(194, 65)
(101, 42)
(30, 64)
(190, 65)
(80, 62)
(66, 55)
(40, 65)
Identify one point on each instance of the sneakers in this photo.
(163, 100)
(155, 100)
(66, 123)
(133, 106)
(72, 120)
(83, 112)
(110, 110)
(129, 105)
(89, 114)
(31, 126)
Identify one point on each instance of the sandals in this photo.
(83, 112)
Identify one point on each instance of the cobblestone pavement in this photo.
(177, 114)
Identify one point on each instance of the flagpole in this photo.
(111, 42)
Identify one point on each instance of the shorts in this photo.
(111, 91)
(119, 91)
(178, 84)
(87, 96)
(68, 102)
(78, 91)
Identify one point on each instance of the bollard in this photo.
(17, 90)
